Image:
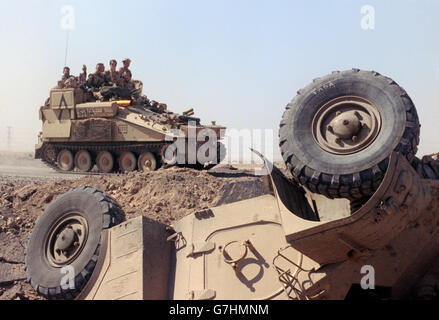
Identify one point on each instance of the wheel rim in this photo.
(65, 160)
(83, 161)
(346, 125)
(127, 161)
(105, 162)
(66, 239)
(147, 162)
(50, 154)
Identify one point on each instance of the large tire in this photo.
(98, 211)
(350, 173)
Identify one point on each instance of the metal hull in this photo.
(272, 247)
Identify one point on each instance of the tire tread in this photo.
(112, 215)
(360, 184)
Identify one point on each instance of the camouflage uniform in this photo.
(127, 84)
(97, 80)
(125, 90)
(113, 77)
(122, 70)
(71, 82)
(82, 78)
(114, 93)
(61, 83)
(116, 90)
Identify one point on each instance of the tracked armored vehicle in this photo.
(317, 233)
(80, 131)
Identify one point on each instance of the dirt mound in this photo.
(165, 195)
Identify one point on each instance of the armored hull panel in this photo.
(80, 132)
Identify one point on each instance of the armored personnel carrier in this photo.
(349, 218)
(80, 130)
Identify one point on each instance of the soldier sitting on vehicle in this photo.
(71, 82)
(83, 76)
(126, 65)
(97, 80)
(113, 76)
(125, 89)
(65, 76)
(128, 84)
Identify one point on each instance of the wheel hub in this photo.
(50, 154)
(127, 161)
(104, 161)
(346, 125)
(65, 160)
(66, 240)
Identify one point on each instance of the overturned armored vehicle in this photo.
(349, 207)
(80, 131)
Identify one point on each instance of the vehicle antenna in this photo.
(67, 47)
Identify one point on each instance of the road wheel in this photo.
(105, 162)
(127, 161)
(64, 245)
(337, 134)
(65, 160)
(147, 162)
(83, 161)
(49, 153)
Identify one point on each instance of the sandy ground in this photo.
(166, 195)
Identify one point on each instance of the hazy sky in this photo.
(237, 62)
